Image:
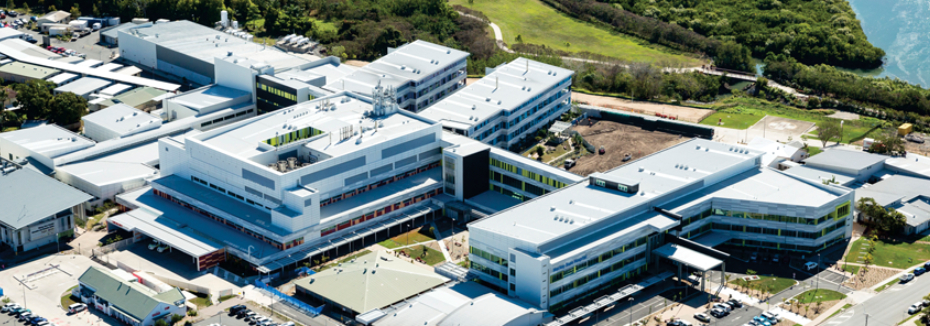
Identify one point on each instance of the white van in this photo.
(810, 265)
(907, 277)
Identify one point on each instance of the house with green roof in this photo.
(126, 299)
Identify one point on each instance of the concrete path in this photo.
(442, 244)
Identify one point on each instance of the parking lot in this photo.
(87, 44)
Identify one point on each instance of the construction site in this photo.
(617, 141)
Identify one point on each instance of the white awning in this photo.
(688, 257)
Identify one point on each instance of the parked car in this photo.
(735, 303)
(245, 314)
(232, 310)
(702, 317)
(914, 308)
(13, 13)
(19, 311)
(772, 317)
(907, 277)
(775, 258)
(9, 306)
(77, 307)
(919, 270)
(754, 256)
(678, 323)
(718, 313)
(762, 321)
(154, 245)
(162, 248)
(43, 323)
(723, 306)
(34, 18)
(36, 320)
(25, 316)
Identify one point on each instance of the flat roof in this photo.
(84, 86)
(204, 43)
(466, 303)
(582, 206)
(258, 217)
(409, 62)
(100, 173)
(28, 70)
(895, 188)
(9, 32)
(208, 96)
(182, 222)
(135, 97)
(111, 66)
(112, 31)
(179, 236)
(819, 175)
(372, 281)
(115, 89)
(122, 119)
(505, 89)
(912, 163)
(50, 140)
(29, 196)
(846, 159)
(90, 63)
(243, 139)
(9, 48)
(494, 200)
(62, 78)
(329, 68)
(687, 256)
(36, 51)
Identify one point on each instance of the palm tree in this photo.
(3, 98)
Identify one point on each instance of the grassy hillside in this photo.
(537, 23)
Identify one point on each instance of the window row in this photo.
(487, 255)
(767, 231)
(783, 246)
(528, 174)
(554, 291)
(486, 270)
(561, 272)
(372, 186)
(840, 212)
(378, 212)
(228, 117)
(278, 92)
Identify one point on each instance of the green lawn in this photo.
(895, 255)
(411, 237)
(202, 301)
(811, 150)
(537, 23)
(821, 295)
(67, 299)
(777, 283)
(559, 151)
(886, 285)
(852, 131)
(732, 120)
(432, 257)
(845, 306)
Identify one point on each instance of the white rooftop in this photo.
(581, 205)
(208, 96)
(506, 88)
(113, 90)
(84, 86)
(101, 172)
(348, 110)
(410, 62)
(687, 256)
(205, 43)
(50, 140)
(122, 119)
(62, 78)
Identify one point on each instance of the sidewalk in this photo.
(442, 244)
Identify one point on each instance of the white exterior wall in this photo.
(137, 50)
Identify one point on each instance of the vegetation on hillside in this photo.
(813, 32)
(641, 80)
(726, 54)
(891, 99)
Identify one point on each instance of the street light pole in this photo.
(866, 319)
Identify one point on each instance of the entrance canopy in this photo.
(713, 239)
(689, 257)
(179, 237)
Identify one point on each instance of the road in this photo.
(887, 307)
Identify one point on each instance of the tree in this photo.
(67, 108)
(10, 4)
(33, 97)
(175, 318)
(3, 97)
(827, 130)
(733, 56)
(540, 151)
(889, 142)
(161, 322)
(75, 11)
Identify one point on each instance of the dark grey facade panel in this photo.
(430, 153)
(258, 179)
(184, 61)
(356, 178)
(332, 171)
(383, 169)
(257, 193)
(403, 162)
(408, 145)
(308, 202)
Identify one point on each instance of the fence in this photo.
(289, 300)
(118, 245)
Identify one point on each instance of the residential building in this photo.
(508, 105)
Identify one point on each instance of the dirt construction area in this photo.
(617, 140)
(681, 112)
(781, 128)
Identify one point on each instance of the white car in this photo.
(810, 265)
(162, 248)
(10, 306)
(77, 307)
(914, 308)
(723, 306)
(771, 316)
(702, 317)
(153, 245)
(907, 277)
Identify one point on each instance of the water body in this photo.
(902, 29)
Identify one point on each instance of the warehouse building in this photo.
(584, 239)
(142, 98)
(36, 210)
(118, 121)
(418, 74)
(84, 87)
(22, 72)
(508, 104)
(187, 50)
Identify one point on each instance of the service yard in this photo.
(617, 140)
